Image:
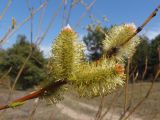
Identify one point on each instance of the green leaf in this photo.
(15, 104)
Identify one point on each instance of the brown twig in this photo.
(84, 13)
(20, 71)
(64, 13)
(93, 18)
(146, 96)
(139, 29)
(145, 69)
(56, 85)
(4, 39)
(26, 60)
(144, 73)
(12, 31)
(126, 108)
(9, 70)
(158, 49)
(28, 57)
(132, 73)
(40, 39)
(39, 93)
(126, 87)
(34, 109)
(123, 115)
(111, 104)
(99, 112)
(5, 9)
(40, 23)
(132, 88)
(4, 76)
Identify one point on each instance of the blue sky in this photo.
(117, 12)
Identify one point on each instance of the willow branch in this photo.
(26, 60)
(28, 57)
(39, 93)
(57, 84)
(139, 29)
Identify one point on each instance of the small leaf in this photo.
(16, 104)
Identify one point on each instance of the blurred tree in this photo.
(2, 55)
(141, 54)
(93, 41)
(33, 72)
(154, 53)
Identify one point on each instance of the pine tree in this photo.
(15, 56)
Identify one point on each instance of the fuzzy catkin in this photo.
(63, 55)
(91, 79)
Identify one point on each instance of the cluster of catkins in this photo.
(96, 78)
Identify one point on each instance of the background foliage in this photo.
(15, 56)
(147, 49)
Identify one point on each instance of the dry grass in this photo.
(73, 107)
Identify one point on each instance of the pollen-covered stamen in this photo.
(131, 27)
(67, 28)
(119, 69)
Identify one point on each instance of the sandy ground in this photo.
(69, 109)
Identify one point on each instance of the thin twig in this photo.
(22, 67)
(54, 86)
(110, 106)
(132, 73)
(93, 18)
(132, 88)
(158, 56)
(5, 9)
(17, 77)
(34, 109)
(4, 39)
(145, 69)
(9, 70)
(99, 112)
(69, 12)
(140, 28)
(40, 22)
(144, 73)
(84, 13)
(40, 39)
(31, 21)
(126, 87)
(12, 31)
(64, 13)
(123, 115)
(20, 71)
(146, 96)
(39, 93)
